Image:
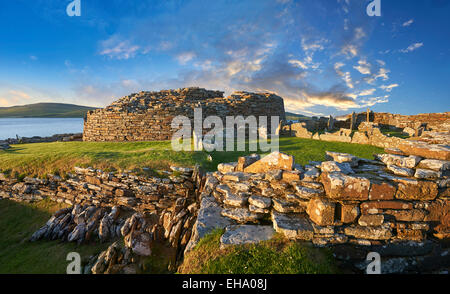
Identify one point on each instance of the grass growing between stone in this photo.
(41, 159)
(18, 221)
(276, 256)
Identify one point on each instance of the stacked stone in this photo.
(88, 186)
(147, 116)
(436, 121)
(38, 139)
(344, 200)
(4, 145)
(370, 133)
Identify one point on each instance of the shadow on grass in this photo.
(18, 222)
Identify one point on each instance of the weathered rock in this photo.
(344, 187)
(321, 211)
(333, 166)
(260, 201)
(308, 193)
(236, 177)
(369, 233)
(291, 176)
(427, 174)
(413, 215)
(225, 168)
(312, 174)
(286, 206)
(342, 158)
(235, 200)
(274, 161)
(209, 218)
(139, 242)
(376, 207)
(296, 226)
(401, 171)
(241, 215)
(433, 164)
(416, 190)
(382, 190)
(348, 212)
(440, 152)
(371, 220)
(245, 234)
(245, 161)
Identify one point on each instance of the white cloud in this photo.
(388, 88)
(359, 33)
(363, 67)
(298, 63)
(367, 92)
(116, 49)
(408, 23)
(349, 50)
(185, 57)
(412, 47)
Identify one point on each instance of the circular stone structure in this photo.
(147, 116)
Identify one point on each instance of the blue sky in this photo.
(323, 56)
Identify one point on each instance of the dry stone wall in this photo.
(344, 200)
(147, 116)
(106, 206)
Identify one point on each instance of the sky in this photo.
(324, 57)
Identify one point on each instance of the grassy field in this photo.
(275, 256)
(18, 221)
(45, 110)
(60, 157)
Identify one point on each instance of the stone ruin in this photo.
(147, 116)
(367, 128)
(106, 206)
(397, 205)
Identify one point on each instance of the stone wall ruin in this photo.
(147, 116)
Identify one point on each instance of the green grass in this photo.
(394, 133)
(276, 256)
(18, 221)
(45, 110)
(60, 157)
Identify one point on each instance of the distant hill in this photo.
(295, 116)
(45, 110)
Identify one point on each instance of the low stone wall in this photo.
(147, 116)
(37, 139)
(370, 134)
(397, 200)
(344, 201)
(106, 206)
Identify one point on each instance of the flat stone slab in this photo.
(293, 226)
(274, 161)
(246, 234)
(432, 151)
(209, 218)
(333, 166)
(241, 215)
(436, 165)
(342, 157)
